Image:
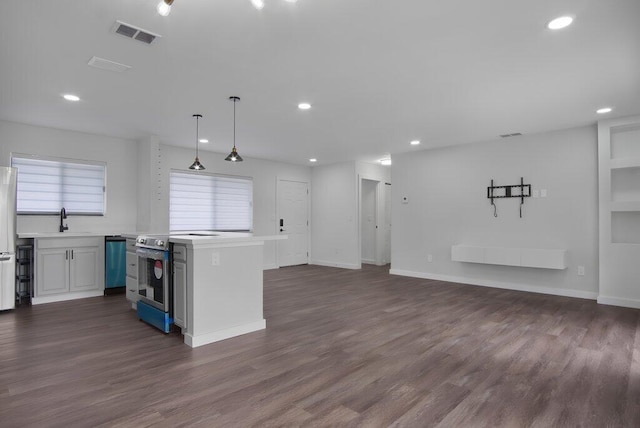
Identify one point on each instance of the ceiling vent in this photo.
(511, 135)
(133, 32)
(105, 64)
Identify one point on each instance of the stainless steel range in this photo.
(154, 281)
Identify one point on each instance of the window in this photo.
(46, 185)
(200, 201)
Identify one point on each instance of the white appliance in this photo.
(7, 237)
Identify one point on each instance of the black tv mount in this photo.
(512, 191)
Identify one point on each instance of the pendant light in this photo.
(234, 156)
(196, 164)
(164, 7)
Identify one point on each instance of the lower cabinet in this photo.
(132, 272)
(180, 286)
(68, 265)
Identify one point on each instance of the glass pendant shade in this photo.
(234, 156)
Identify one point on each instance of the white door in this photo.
(293, 221)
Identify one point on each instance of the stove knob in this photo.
(160, 243)
(140, 241)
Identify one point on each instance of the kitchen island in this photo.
(218, 285)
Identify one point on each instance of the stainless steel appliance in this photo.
(8, 177)
(154, 281)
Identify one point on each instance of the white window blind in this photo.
(200, 201)
(45, 186)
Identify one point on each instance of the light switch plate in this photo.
(580, 270)
(543, 193)
(536, 193)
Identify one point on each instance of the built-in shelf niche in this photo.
(625, 227)
(625, 143)
(625, 184)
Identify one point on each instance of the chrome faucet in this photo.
(63, 215)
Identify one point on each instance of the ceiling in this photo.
(377, 73)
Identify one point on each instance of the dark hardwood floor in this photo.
(341, 348)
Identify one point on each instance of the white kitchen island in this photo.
(218, 285)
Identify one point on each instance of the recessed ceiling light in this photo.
(204, 140)
(70, 97)
(313, 160)
(385, 161)
(604, 110)
(561, 22)
(415, 142)
(258, 4)
(304, 106)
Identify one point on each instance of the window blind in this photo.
(45, 186)
(200, 201)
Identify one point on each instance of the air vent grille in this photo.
(105, 64)
(135, 33)
(515, 134)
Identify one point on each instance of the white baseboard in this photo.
(616, 301)
(271, 266)
(566, 292)
(332, 264)
(216, 336)
(369, 261)
(66, 296)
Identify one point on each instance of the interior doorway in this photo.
(375, 221)
(293, 221)
(368, 221)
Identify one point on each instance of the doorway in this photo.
(293, 221)
(375, 221)
(368, 221)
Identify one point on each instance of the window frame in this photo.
(64, 161)
(213, 175)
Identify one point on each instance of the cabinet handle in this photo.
(71, 254)
(66, 254)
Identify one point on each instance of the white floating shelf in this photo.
(625, 206)
(619, 163)
(523, 257)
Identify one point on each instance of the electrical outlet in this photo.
(536, 193)
(429, 258)
(215, 259)
(581, 270)
(543, 193)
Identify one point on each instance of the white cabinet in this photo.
(180, 286)
(68, 268)
(132, 272)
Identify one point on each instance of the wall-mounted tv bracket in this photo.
(513, 191)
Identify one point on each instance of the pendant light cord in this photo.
(234, 122)
(197, 133)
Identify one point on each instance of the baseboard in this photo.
(565, 292)
(369, 261)
(332, 264)
(616, 301)
(216, 336)
(66, 296)
(271, 266)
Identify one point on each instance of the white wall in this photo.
(264, 173)
(119, 154)
(334, 216)
(447, 191)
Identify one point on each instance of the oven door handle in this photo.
(152, 254)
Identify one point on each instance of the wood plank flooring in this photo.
(341, 348)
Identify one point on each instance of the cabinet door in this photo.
(84, 269)
(180, 294)
(52, 271)
(132, 289)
